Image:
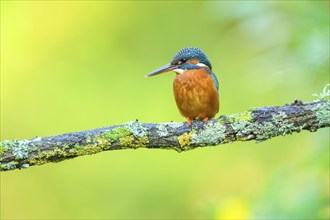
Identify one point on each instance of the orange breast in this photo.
(195, 94)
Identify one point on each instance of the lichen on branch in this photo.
(258, 124)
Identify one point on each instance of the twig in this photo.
(258, 124)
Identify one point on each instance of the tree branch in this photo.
(258, 124)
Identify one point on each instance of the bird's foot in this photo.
(188, 121)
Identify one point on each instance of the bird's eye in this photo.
(178, 62)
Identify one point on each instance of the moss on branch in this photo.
(258, 124)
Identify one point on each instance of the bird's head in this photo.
(187, 58)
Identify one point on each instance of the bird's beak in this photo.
(163, 69)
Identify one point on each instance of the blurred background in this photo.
(75, 65)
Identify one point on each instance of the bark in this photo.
(258, 124)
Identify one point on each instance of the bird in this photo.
(195, 86)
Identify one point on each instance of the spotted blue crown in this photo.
(192, 53)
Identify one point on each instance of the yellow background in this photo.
(76, 65)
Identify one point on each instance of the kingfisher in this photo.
(195, 86)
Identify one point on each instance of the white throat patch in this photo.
(179, 71)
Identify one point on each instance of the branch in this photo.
(258, 124)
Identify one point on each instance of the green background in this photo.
(75, 65)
